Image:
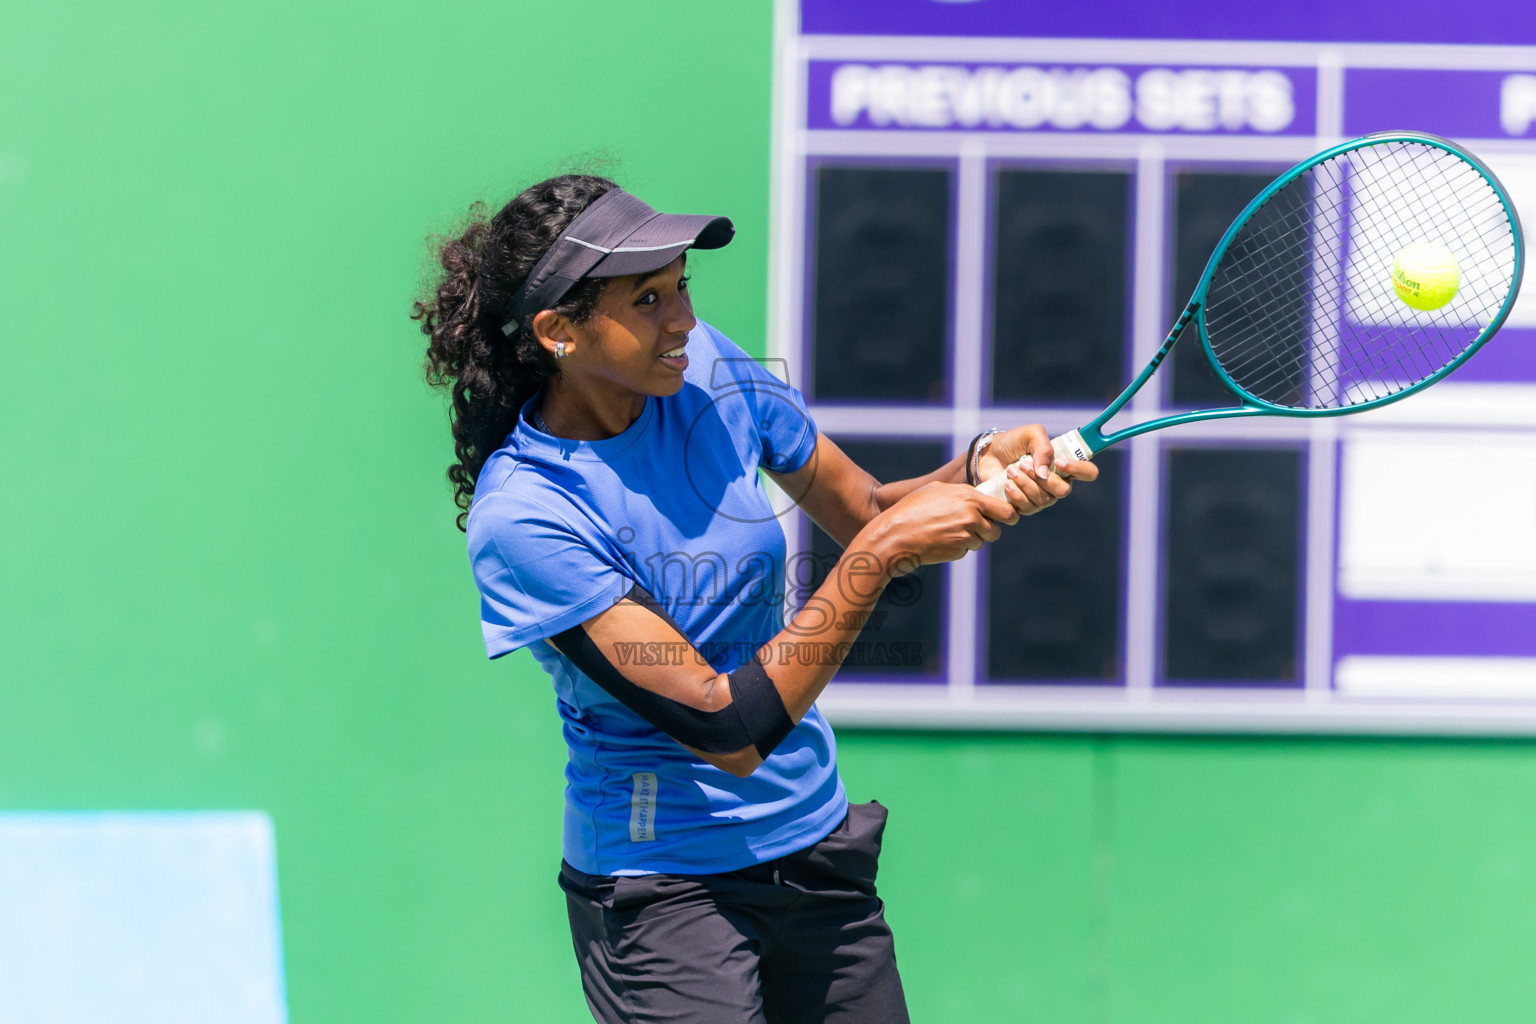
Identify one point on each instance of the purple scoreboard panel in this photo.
(987, 212)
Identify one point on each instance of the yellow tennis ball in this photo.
(1426, 275)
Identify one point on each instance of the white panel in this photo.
(1438, 516)
(139, 918)
(1453, 403)
(1215, 710)
(1456, 678)
(1223, 52)
(1518, 176)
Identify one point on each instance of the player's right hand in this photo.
(937, 523)
(1030, 493)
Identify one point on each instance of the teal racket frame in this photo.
(1095, 440)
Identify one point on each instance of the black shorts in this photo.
(797, 940)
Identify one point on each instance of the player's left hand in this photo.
(1039, 481)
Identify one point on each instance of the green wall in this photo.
(229, 576)
(1151, 879)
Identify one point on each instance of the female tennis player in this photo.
(608, 445)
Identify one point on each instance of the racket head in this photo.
(1297, 313)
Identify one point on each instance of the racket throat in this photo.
(1095, 439)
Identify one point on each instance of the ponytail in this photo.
(489, 375)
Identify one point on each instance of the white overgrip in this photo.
(1069, 447)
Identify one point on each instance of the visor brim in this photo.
(661, 240)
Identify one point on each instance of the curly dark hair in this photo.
(491, 375)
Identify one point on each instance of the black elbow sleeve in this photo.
(762, 710)
(756, 716)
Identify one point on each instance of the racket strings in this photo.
(1391, 360)
(1440, 181)
(1270, 259)
(1301, 310)
(1266, 327)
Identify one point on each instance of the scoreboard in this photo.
(988, 212)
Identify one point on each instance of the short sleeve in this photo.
(536, 573)
(786, 431)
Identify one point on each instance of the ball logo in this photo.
(1426, 276)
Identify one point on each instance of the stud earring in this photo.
(559, 350)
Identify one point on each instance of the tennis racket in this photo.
(1298, 312)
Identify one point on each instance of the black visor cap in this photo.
(618, 235)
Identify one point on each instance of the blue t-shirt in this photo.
(560, 530)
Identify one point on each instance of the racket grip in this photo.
(1069, 447)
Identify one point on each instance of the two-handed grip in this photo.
(1068, 447)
